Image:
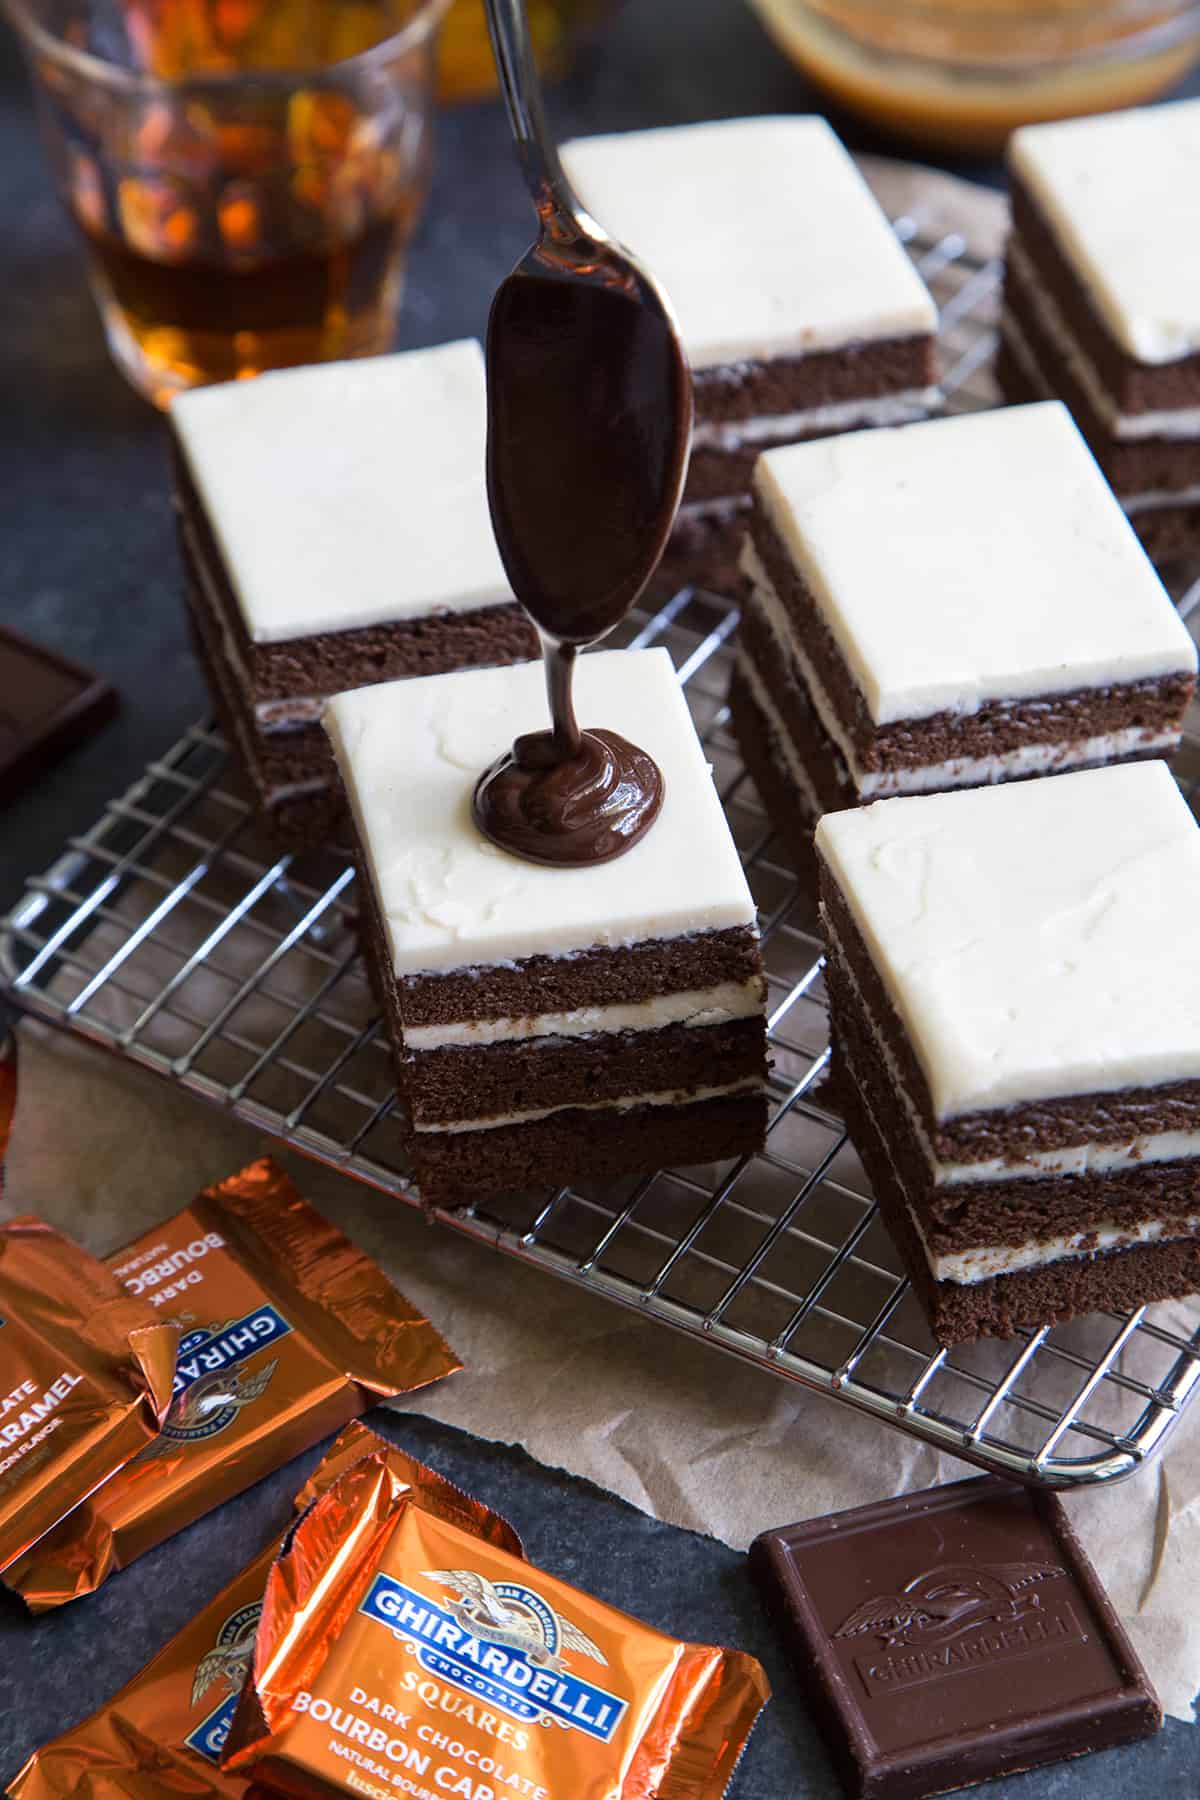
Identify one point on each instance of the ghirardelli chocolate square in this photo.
(952, 1635)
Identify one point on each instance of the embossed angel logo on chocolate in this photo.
(513, 1617)
(947, 1601)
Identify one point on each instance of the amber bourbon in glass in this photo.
(246, 173)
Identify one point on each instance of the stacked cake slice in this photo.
(552, 1024)
(1102, 300)
(800, 313)
(958, 603)
(335, 532)
(1015, 1003)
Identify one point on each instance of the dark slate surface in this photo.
(86, 564)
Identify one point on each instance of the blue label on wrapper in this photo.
(211, 1353)
(208, 1739)
(502, 1648)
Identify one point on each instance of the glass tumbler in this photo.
(246, 174)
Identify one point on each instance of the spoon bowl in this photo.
(581, 339)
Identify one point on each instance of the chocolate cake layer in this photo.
(786, 705)
(717, 474)
(453, 1085)
(1142, 465)
(1133, 386)
(455, 1168)
(733, 392)
(456, 1084)
(600, 977)
(799, 773)
(1006, 1213)
(703, 548)
(787, 402)
(996, 728)
(764, 759)
(1009, 1133)
(309, 669)
(517, 1030)
(294, 820)
(301, 753)
(1166, 530)
(958, 1312)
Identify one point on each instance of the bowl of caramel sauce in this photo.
(962, 74)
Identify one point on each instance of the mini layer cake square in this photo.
(335, 532)
(1102, 300)
(552, 1024)
(800, 312)
(957, 603)
(1015, 1005)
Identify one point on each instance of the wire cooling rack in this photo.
(168, 934)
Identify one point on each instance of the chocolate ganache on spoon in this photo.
(589, 423)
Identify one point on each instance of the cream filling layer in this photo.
(1158, 499)
(725, 507)
(1181, 422)
(983, 1262)
(968, 1266)
(903, 408)
(955, 771)
(627, 1103)
(1153, 499)
(697, 1007)
(793, 766)
(298, 709)
(1073, 1159)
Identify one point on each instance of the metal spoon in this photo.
(590, 400)
(589, 426)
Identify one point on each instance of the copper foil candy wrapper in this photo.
(85, 1380)
(162, 1735)
(85, 1370)
(398, 1652)
(287, 1332)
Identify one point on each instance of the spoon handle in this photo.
(521, 86)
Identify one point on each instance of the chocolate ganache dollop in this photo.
(589, 418)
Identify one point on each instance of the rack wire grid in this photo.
(170, 935)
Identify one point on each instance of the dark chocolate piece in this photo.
(949, 1636)
(47, 706)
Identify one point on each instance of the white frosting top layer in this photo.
(1120, 192)
(970, 559)
(762, 231)
(350, 493)
(1037, 939)
(410, 754)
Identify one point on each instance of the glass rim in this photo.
(996, 13)
(427, 15)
